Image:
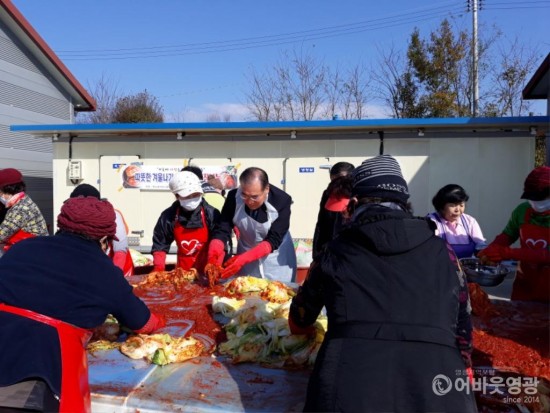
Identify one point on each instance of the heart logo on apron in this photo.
(538, 244)
(190, 247)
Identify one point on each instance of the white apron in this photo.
(280, 265)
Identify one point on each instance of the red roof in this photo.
(538, 86)
(44, 51)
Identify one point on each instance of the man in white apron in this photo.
(260, 213)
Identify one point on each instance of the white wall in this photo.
(491, 170)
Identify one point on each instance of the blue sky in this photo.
(194, 55)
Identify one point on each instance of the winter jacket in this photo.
(398, 317)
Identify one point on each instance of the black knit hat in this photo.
(380, 177)
(85, 190)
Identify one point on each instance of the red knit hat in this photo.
(537, 184)
(88, 216)
(10, 176)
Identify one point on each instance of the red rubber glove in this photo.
(234, 264)
(155, 322)
(216, 252)
(296, 329)
(159, 261)
(470, 374)
(119, 259)
(495, 253)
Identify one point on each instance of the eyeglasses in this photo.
(252, 198)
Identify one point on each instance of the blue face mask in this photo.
(540, 206)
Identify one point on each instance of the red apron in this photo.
(532, 281)
(75, 391)
(192, 244)
(128, 268)
(18, 236)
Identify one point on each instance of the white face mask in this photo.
(3, 200)
(540, 206)
(190, 204)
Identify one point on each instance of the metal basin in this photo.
(484, 275)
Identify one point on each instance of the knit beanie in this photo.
(537, 184)
(10, 176)
(380, 177)
(88, 216)
(85, 190)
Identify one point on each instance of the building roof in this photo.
(329, 129)
(539, 85)
(13, 18)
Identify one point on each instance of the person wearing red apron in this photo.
(530, 223)
(23, 218)
(118, 250)
(192, 244)
(532, 279)
(53, 290)
(188, 221)
(75, 391)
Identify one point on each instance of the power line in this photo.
(255, 42)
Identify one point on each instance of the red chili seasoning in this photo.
(189, 305)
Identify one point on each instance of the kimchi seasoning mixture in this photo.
(189, 304)
(511, 335)
(512, 338)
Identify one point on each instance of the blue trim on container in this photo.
(298, 125)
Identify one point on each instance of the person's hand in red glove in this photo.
(159, 260)
(497, 250)
(470, 374)
(495, 253)
(155, 322)
(234, 264)
(536, 256)
(309, 331)
(216, 252)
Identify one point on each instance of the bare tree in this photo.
(261, 98)
(213, 117)
(333, 93)
(308, 85)
(105, 92)
(294, 89)
(396, 86)
(178, 117)
(354, 93)
(515, 63)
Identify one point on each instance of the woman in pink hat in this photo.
(23, 217)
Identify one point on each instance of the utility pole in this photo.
(475, 79)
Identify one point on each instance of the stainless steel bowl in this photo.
(484, 275)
